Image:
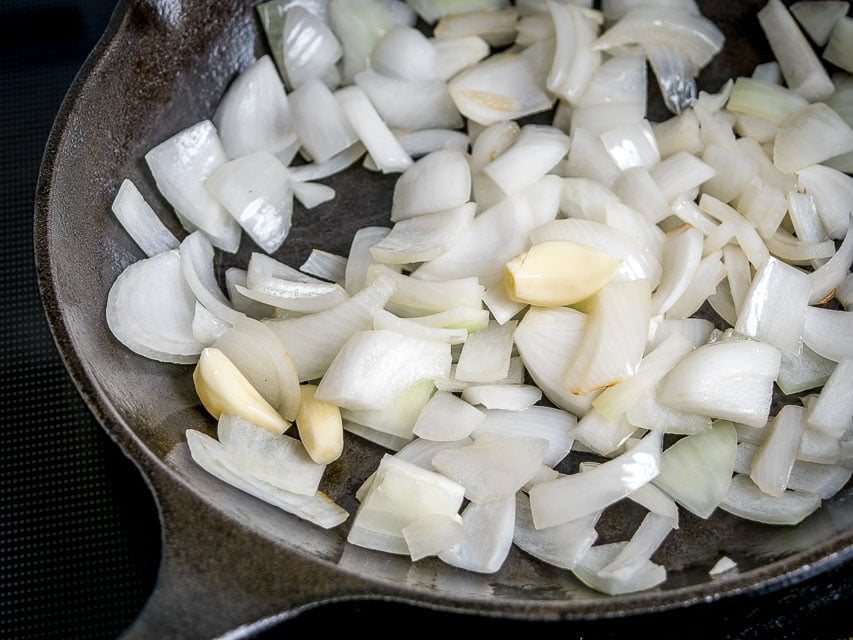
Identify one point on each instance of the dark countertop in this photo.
(81, 535)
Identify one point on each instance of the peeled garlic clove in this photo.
(557, 273)
(223, 389)
(320, 427)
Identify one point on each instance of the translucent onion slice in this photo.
(575, 61)
(829, 332)
(400, 493)
(446, 417)
(393, 361)
(397, 419)
(325, 265)
(496, 27)
(697, 469)
(768, 100)
(811, 135)
(417, 297)
(680, 173)
(597, 488)
(260, 355)
(562, 545)
(828, 276)
(681, 256)
(536, 150)
(359, 25)
(256, 189)
(150, 310)
(637, 553)
(273, 282)
(799, 63)
(832, 191)
(501, 87)
(179, 166)
(140, 221)
(599, 556)
(384, 148)
(455, 54)
(617, 328)
(824, 480)
(832, 411)
(235, 276)
(408, 105)
(424, 237)
(433, 10)
(197, 266)
(818, 19)
(207, 327)
(485, 355)
(318, 508)
(278, 459)
(310, 47)
(772, 463)
(430, 534)
(404, 52)
(314, 340)
(745, 500)
(732, 380)
(649, 413)
(600, 434)
(489, 527)
(539, 421)
(492, 468)
(254, 113)
(436, 182)
(383, 319)
(320, 170)
(837, 50)
(512, 397)
(320, 121)
(763, 315)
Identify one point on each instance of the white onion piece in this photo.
(455, 54)
(446, 417)
(696, 330)
(761, 203)
(588, 158)
(733, 171)
(207, 327)
(277, 459)
(824, 480)
(310, 47)
(682, 254)
(693, 34)
(563, 545)
(359, 25)
(832, 191)
(538, 421)
(596, 119)
(492, 141)
(492, 469)
(632, 145)
(656, 501)
(827, 277)
(614, 401)
(772, 463)
(536, 151)
(597, 488)
(318, 508)
(234, 277)
(501, 307)
(179, 166)
(818, 19)
(319, 170)
(747, 501)
(255, 189)
(466, 318)
(775, 305)
(489, 527)
(649, 413)
(140, 221)
(614, 340)
(799, 63)
(325, 265)
(680, 173)
(260, 356)
(829, 332)
(254, 114)
(803, 370)
(359, 257)
(383, 319)
(585, 198)
(417, 297)
(320, 122)
(764, 99)
(409, 105)
(430, 534)
(486, 354)
(436, 182)
(493, 238)
(832, 412)
(802, 211)
(600, 434)
(497, 27)
(424, 237)
(383, 147)
(811, 135)
(399, 493)
(397, 419)
(512, 397)
(394, 361)
(311, 194)
(547, 338)
(728, 379)
(501, 87)
(150, 310)
(637, 553)
(837, 50)
(820, 447)
(404, 52)
(424, 141)
(587, 571)
(280, 286)
(621, 78)
(697, 469)
(575, 60)
(385, 440)
(314, 340)
(197, 266)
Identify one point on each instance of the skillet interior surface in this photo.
(162, 66)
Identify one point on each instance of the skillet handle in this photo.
(214, 579)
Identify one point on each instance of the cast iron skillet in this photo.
(230, 561)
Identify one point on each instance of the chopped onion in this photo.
(141, 222)
(489, 527)
(745, 500)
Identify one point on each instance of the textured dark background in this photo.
(80, 531)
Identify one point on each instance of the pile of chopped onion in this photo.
(542, 284)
